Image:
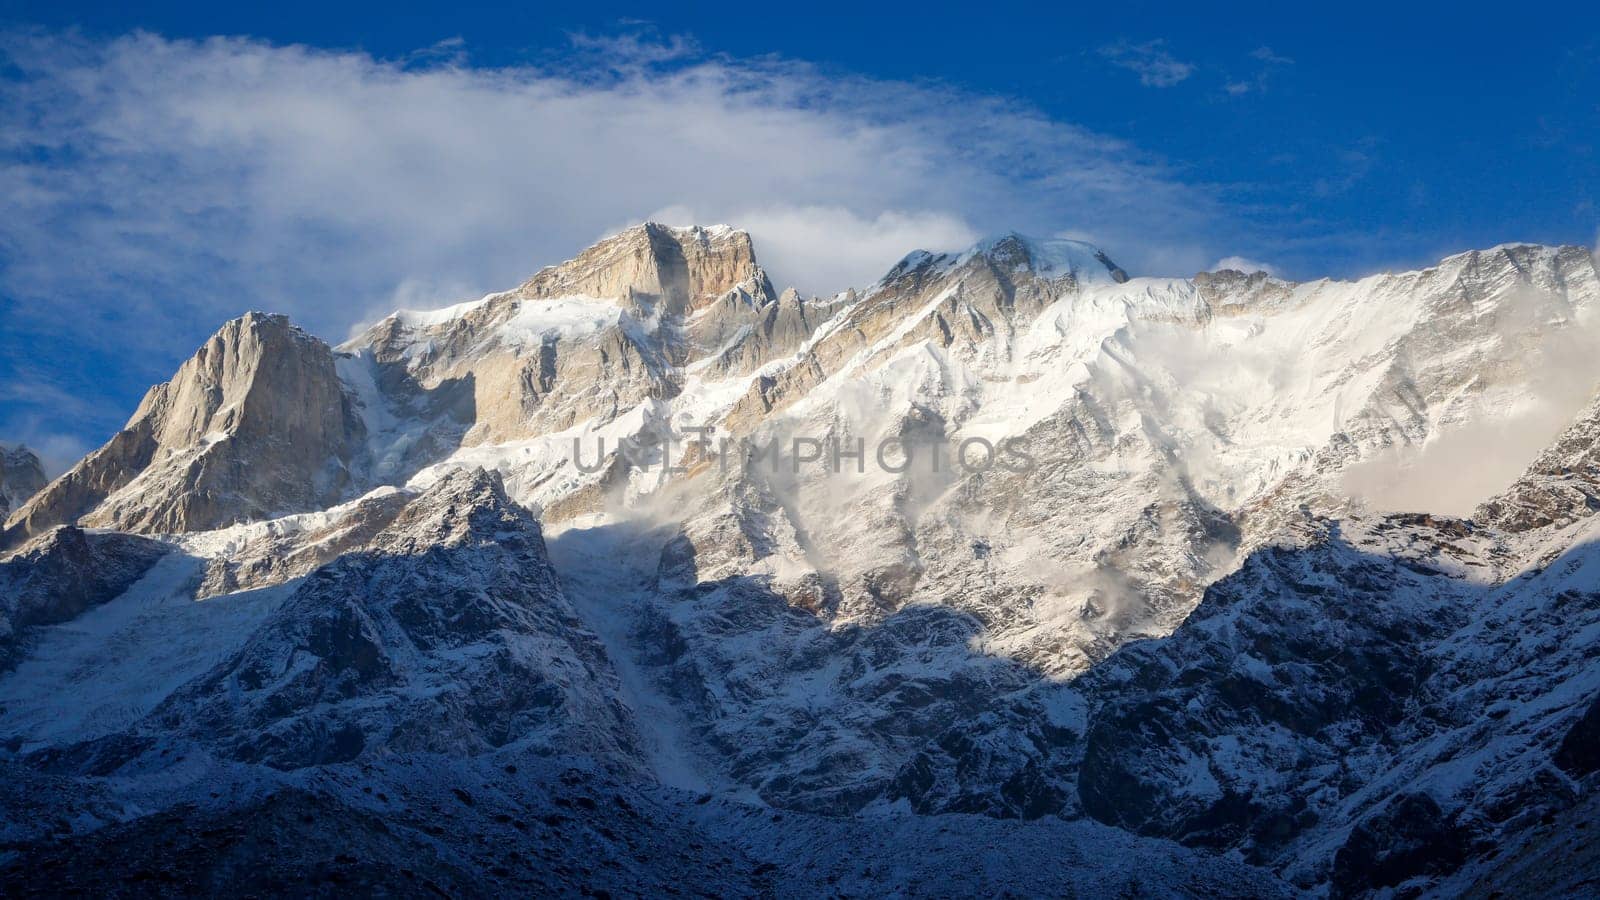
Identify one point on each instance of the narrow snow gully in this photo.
(608, 573)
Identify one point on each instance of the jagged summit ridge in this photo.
(631, 318)
(651, 270)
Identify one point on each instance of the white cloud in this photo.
(1150, 61)
(1270, 61)
(42, 431)
(632, 50)
(1266, 55)
(158, 187)
(1239, 263)
(819, 249)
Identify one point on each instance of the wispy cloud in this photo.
(158, 187)
(637, 48)
(1242, 264)
(1266, 55)
(1150, 61)
(1269, 63)
(1350, 165)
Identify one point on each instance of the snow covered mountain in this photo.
(1296, 576)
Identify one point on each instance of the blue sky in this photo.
(335, 162)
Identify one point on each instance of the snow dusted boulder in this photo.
(255, 424)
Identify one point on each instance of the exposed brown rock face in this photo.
(651, 301)
(678, 270)
(1230, 290)
(255, 424)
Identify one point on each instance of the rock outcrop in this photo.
(62, 573)
(625, 322)
(21, 476)
(448, 632)
(658, 269)
(1560, 487)
(257, 424)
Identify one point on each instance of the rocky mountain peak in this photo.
(234, 385)
(465, 505)
(255, 424)
(658, 267)
(1323, 688)
(1048, 258)
(21, 476)
(1056, 261)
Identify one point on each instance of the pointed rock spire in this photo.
(255, 424)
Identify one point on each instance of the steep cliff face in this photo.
(657, 269)
(634, 319)
(21, 476)
(255, 425)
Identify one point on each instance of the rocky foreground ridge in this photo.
(1196, 620)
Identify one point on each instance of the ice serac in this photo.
(255, 425)
(448, 632)
(21, 476)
